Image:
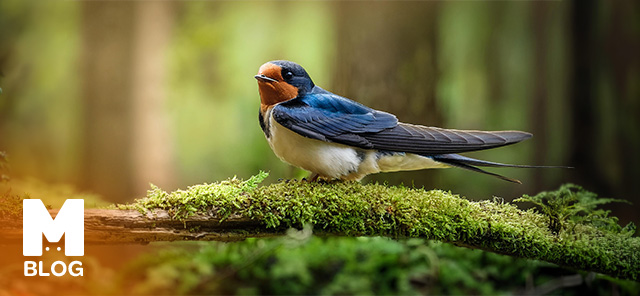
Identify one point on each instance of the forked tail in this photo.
(472, 164)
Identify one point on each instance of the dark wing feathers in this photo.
(327, 117)
(432, 140)
(331, 116)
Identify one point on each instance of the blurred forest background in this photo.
(109, 96)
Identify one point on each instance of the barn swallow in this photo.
(336, 138)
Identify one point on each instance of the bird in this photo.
(336, 138)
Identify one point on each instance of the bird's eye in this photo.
(287, 75)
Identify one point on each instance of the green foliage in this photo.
(203, 198)
(573, 203)
(308, 265)
(354, 209)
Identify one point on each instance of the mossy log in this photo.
(235, 209)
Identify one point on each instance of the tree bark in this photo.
(132, 227)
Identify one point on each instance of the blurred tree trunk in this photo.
(107, 95)
(126, 142)
(583, 100)
(387, 63)
(605, 100)
(152, 142)
(539, 108)
(621, 45)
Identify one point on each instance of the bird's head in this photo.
(280, 81)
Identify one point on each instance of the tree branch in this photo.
(234, 210)
(112, 226)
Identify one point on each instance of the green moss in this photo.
(299, 264)
(354, 209)
(574, 203)
(221, 198)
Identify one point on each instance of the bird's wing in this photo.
(428, 141)
(331, 118)
(327, 117)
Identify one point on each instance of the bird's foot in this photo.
(314, 177)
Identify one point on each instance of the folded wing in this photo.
(425, 140)
(327, 117)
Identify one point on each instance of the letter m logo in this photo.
(36, 221)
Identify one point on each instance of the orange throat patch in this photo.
(272, 93)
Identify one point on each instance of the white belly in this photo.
(338, 161)
(329, 160)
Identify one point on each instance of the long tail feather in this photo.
(468, 163)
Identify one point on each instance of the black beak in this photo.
(264, 78)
